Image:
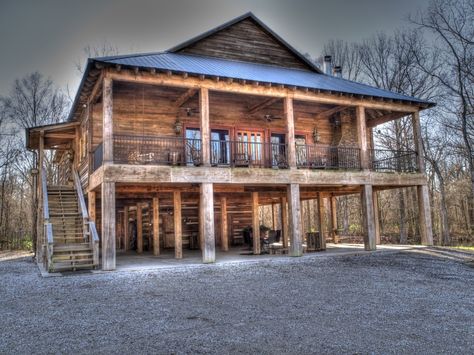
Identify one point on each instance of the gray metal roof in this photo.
(263, 73)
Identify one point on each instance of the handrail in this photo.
(48, 230)
(45, 195)
(94, 242)
(80, 196)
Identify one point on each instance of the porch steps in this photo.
(70, 250)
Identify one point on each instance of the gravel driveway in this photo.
(379, 303)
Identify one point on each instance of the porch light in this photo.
(178, 127)
(316, 136)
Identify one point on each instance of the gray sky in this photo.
(49, 35)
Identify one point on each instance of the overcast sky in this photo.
(49, 35)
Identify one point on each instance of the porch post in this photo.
(415, 119)
(284, 222)
(290, 130)
(91, 195)
(334, 219)
(376, 218)
(126, 241)
(107, 132)
(204, 126)
(362, 137)
(294, 212)
(156, 226)
(40, 220)
(255, 224)
(206, 222)
(224, 225)
(368, 217)
(139, 229)
(178, 229)
(424, 209)
(108, 225)
(322, 232)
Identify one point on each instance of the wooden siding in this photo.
(246, 41)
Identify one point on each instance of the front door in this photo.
(249, 148)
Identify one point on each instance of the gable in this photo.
(246, 40)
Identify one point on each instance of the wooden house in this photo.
(178, 149)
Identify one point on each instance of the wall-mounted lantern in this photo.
(178, 127)
(316, 136)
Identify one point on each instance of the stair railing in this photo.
(48, 227)
(89, 230)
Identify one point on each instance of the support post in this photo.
(206, 225)
(255, 224)
(362, 137)
(294, 212)
(376, 218)
(284, 222)
(156, 226)
(274, 217)
(139, 228)
(204, 126)
(126, 240)
(415, 119)
(322, 232)
(178, 228)
(290, 130)
(224, 225)
(335, 237)
(91, 196)
(425, 215)
(108, 225)
(368, 217)
(40, 220)
(107, 128)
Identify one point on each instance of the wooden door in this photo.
(249, 146)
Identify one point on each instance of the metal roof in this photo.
(209, 66)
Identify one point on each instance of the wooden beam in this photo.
(368, 217)
(91, 196)
(424, 211)
(261, 105)
(139, 228)
(178, 228)
(294, 213)
(224, 225)
(386, 118)
(321, 226)
(328, 113)
(108, 225)
(255, 224)
(284, 221)
(156, 226)
(206, 223)
(126, 240)
(274, 216)
(185, 97)
(362, 137)
(290, 130)
(204, 125)
(107, 125)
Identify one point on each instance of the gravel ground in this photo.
(379, 303)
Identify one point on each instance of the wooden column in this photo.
(126, 240)
(424, 209)
(255, 224)
(156, 226)
(335, 237)
(178, 228)
(107, 125)
(274, 216)
(206, 222)
(294, 212)
(328, 206)
(224, 225)
(362, 137)
(108, 225)
(290, 130)
(321, 226)
(204, 126)
(368, 217)
(91, 196)
(376, 217)
(284, 222)
(40, 218)
(417, 137)
(139, 228)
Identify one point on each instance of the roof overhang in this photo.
(56, 136)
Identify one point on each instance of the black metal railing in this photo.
(97, 157)
(327, 157)
(249, 154)
(145, 150)
(384, 160)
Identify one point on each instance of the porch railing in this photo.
(327, 157)
(249, 154)
(400, 161)
(156, 150)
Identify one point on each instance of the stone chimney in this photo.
(327, 65)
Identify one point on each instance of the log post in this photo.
(156, 226)
(107, 129)
(425, 215)
(204, 126)
(284, 222)
(274, 217)
(290, 130)
(178, 228)
(362, 137)
(126, 240)
(294, 212)
(368, 217)
(417, 137)
(322, 232)
(91, 196)
(334, 219)
(108, 225)
(224, 225)
(376, 218)
(206, 225)
(40, 220)
(255, 224)
(139, 228)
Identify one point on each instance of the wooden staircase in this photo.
(71, 251)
